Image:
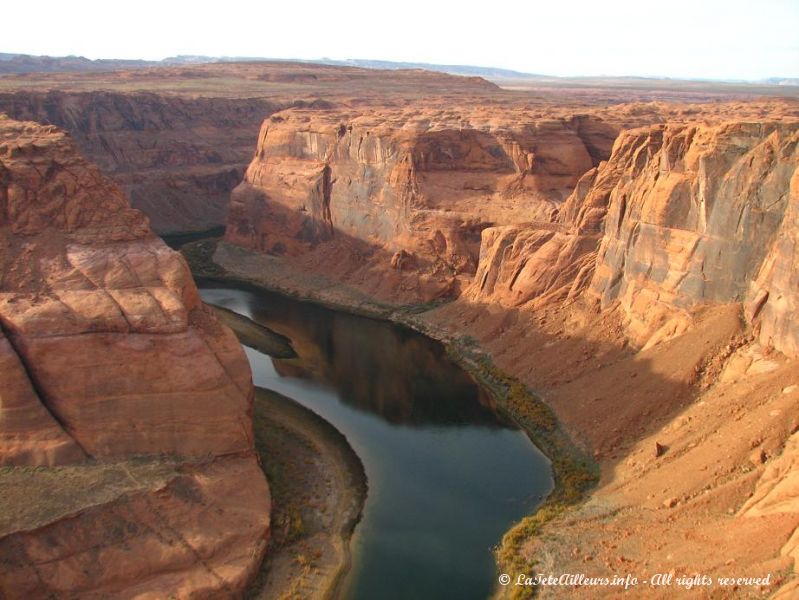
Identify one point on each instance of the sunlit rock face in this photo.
(108, 354)
(657, 219)
(774, 296)
(694, 215)
(679, 216)
(415, 186)
(647, 290)
(178, 139)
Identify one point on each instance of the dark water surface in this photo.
(447, 475)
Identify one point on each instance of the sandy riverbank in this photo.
(318, 490)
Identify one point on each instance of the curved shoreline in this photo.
(573, 472)
(301, 451)
(285, 430)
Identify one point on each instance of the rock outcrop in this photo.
(680, 216)
(543, 263)
(599, 248)
(176, 158)
(418, 188)
(177, 139)
(692, 219)
(774, 296)
(109, 357)
(683, 225)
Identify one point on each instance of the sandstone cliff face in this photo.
(774, 296)
(692, 219)
(680, 216)
(176, 158)
(621, 304)
(108, 354)
(30, 433)
(418, 187)
(177, 139)
(541, 263)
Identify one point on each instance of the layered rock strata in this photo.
(679, 216)
(110, 358)
(176, 158)
(651, 298)
(417, 188)
(177, 139)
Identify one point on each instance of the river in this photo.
(447, 474)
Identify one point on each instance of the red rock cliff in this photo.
(418, 186)
(176, 158)
(651, 299)
(107, 354)
(177, 139)
(680, 216)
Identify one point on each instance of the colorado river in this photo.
(447, 475)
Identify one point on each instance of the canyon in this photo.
(631, 258)
(637, 269)
(177, 139)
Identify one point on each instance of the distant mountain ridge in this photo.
(27, 63)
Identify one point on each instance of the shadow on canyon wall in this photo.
(176, 158)
(315, 246)
(607, 394)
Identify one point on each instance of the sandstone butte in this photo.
(129, 404)
(638, 268)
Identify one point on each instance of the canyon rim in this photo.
(231, 289)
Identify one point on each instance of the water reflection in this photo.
(447, 476)
(376, 367)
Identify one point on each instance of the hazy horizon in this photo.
(714, 40)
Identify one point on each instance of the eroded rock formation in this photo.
(600, 250)
(692, 220)
(773, 297)
(110, 361)
(419, 187)
(679, 216)
(658, 248)
(177, 139)
(648, 292)
(176, 158)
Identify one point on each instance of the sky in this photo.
(716, 39)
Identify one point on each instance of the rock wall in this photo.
(680, 216)
(417, 187)
(177, 158)
(774, 296)
(530, 213)
(109, 355)
(615, 292)
(542, 263)
(692, 220)
(177, 139)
